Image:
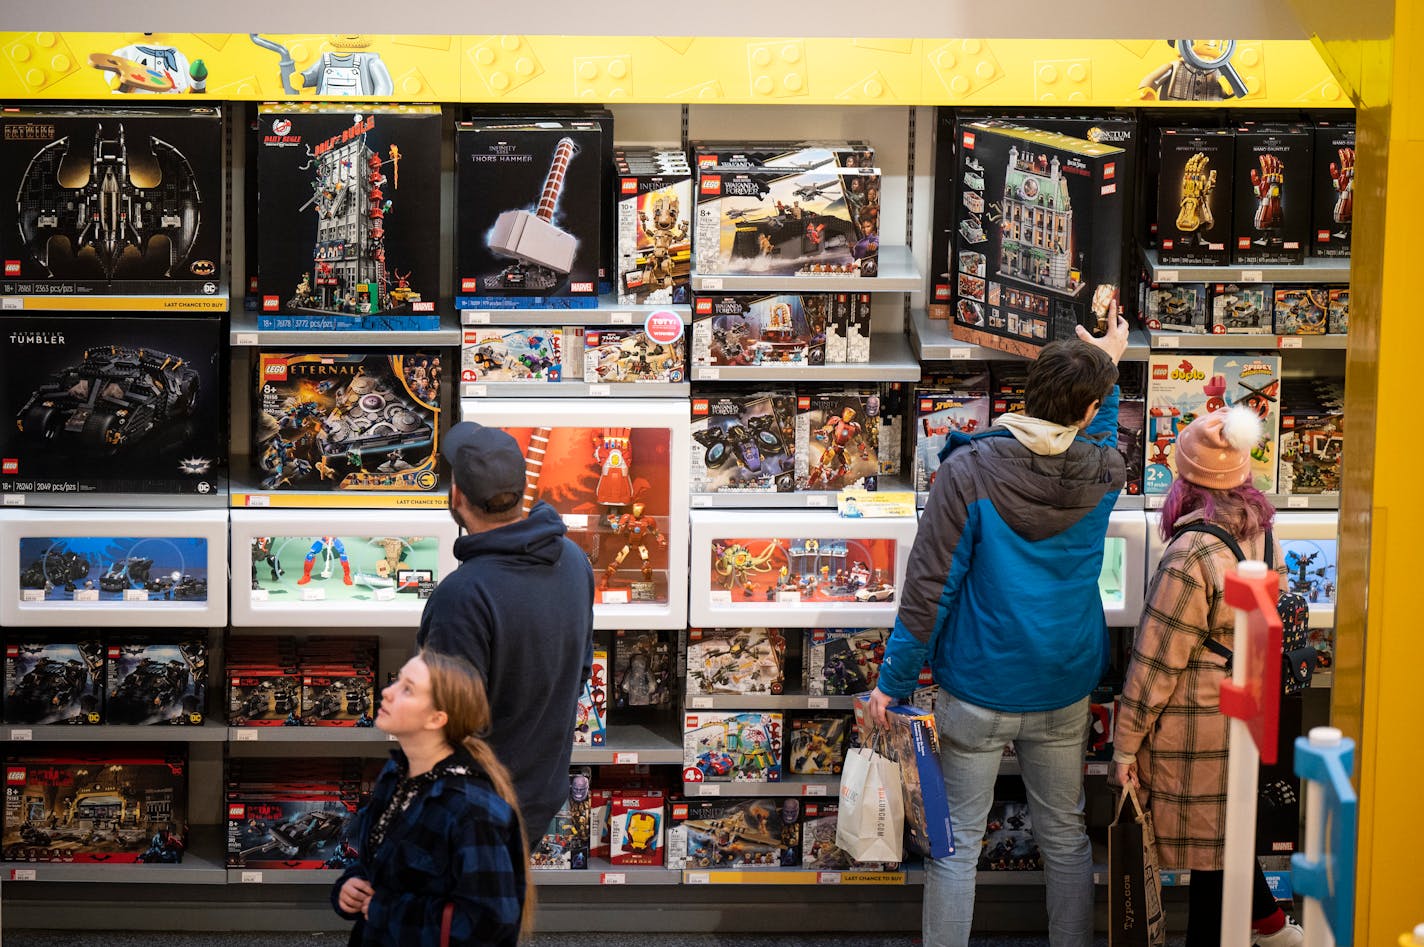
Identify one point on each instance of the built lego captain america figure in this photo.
(329, 547)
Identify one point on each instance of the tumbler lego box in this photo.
(591, 713)
(566, 843)
(116, 805)
(288, 828)
(1050, 229)
(760, 329)
(1302, 310)
(1181, 388)
(744, 443)
(734, 833)
(837, 440)
(54, 682)
(114, 201)
(939, 414)
(1242, 309)
(1333, 204)
(817, 743)
(843, 660)
(635, 828)
(1194, 196)
(349, 421)
(654, 233)
(533, 354)
(819, 850)
(731, 747)
(644, 668)
(156, 681)
(349, 217)
(633, 356)
(1273, 189)
(133, 570)
(735, 661)
(1175, 307)
(105, 405)
(528, 205)
(1008, 843)
(911, 741)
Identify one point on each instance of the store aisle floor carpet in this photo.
(640, 939)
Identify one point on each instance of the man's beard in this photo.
(455, 513)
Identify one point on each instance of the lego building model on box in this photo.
(1008, 843)
(1175, 307)
(1184, 387)
(744, 442)
(740, 833)
(818, 841)
(348, 421)
(591, 715)
(1333, 204)
(1302, 310)
(731, 747)
(304, 570)
(532, 354)
(911, 741)
(565, 845)
(837, 440)
(1312, 438)
(54, 682)
(748, 329)
(1246, 308)
(100, 405)
(349, 216)
(118, 201)
(757, 571)
(631, 355)
(735, 661)
(939, 414)
(843, 660)
(129, 569)
(156, 682)
(654, 226)
(635, 828)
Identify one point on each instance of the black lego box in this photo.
(156, 681)
(1273, 183)
(114, 201)
(95, 404)
(349, 217)
(528, 203)
(759, 329)
(1333, 207)
(1048, 226)
(55, 681)
(1194, 196)
(363, 421)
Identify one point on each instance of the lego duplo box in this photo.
(1333, 181)
(349, 216)
(113, 201)
(760, 329)
(731, 747)
(734, 833)
(654, 236)
(1273, 184)
(529, 202)
(1051, 248)
(744, 442)
(1181, 388)
(1194, 196)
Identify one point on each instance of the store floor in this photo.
(641, 939)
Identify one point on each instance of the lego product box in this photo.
(635, 829)
(735, 661)
(633, 355)
(1183, 387)
(734, 833)
(797, 155)
(364, 421)
(1312, 444)
(858, 333)
(837, 439)
(566, 843)
(760, 329)
(54, 682)
(912, 742)
(731, 747)
(744, 443)
(113, 806)
(1132, 423)
(819, 850)
(534, 354)
(817, 743)
(133, 570)
(1337, 321)
(1302, 310)
(1102, 708)
(591, 715)
(529, 206)
(644, 668)
(1242, 309)
(937, 415)
(349, 217)
(1175, 307)
(1050, 230)
(654, 234)
(843, 660)
(1008, 839)
(98, 404)
(1333, 204)
(1194, 196)
(1273, 183)
(115, 201)
(156, 681)
(287, 829)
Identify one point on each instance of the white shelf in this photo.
(608, 312)
(769, 702)
(215, 499)
(630, 743)
(797, 500)
(1161, 340)
(933, 342)
(244, 332)
(202, 865)
(341, 735)
(828, 786)
(282, 876)
(790, 876)
(1281, 501)
(601, 872)
(574, 389)
(891, 359)
(209, 732)
(1313, 270)
(898, 274)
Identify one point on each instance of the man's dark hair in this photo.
(1067, 376)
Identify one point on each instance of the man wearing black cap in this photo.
(520, 609)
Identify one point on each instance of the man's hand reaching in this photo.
(1115, 341)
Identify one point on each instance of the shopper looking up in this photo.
(520, 610)
(1171, 737)
(441, 843)
(1001, 596)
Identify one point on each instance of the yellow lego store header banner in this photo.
(668, 69)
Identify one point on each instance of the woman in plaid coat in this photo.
(1170, 736)
(440, 846)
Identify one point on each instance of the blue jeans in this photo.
(1050, 747)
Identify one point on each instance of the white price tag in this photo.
(813, 789)
(240, 735)
(1168, 276)
(599, 391)
(698, 878)
(709, 374)
(700, 703)
(22, 735)
(14, 499)
(1297, 503)
(960, 354)
(818, 499)
(700, 500)
(385, 595)
(259, 595)
(313, 595)
(1250, 276)
(86, 595)
(477, 318)
(828, 877)
(788, 598)
(818, 703)
(1290, 341)
(614, 597)
(32, 595)
(1154, 502)
(252, 877)
(22, 874)
(625, 757)
(620, 318)
(719, 597)
(135, 595)
(612, 878)
(1169, 341)
(475, 391)
(245, 338)
(708, 283)
(1095, 769)
(254, 499)
(709, 789)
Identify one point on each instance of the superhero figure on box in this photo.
(328, 547)
(837, 434)
(635, 528)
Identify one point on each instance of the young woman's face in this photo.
(406, 706)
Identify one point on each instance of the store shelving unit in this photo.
(1160, 340)
(244, 333)
(898, 274)
(1313, 270)
(890, 360)
(932, 342)
(608, 312)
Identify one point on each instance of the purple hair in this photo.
(1242, 511)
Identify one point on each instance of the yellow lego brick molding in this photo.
(735, 70)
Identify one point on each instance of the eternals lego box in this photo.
(1333, 206)
(1048, 223)
(349, 216)
(1273, 184)
(1194, 195)
(114, 201)
(95, 404)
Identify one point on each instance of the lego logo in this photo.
(706, 161)
(704, 307)
(15, 775)
(469, 285)
(969, 140)
(1159, 372)
(712, 184)
(1287, 423)
(12, 267)
(803, 403)
(237, 812)
(471, 337)
(275, 370)
(691, 721)
(679, 811)
(812, 810)
(10, 465)
(628, 185)
(925, 405)
(269, 303)
(422, 307)
(1243, 243)
(12, 651)
(114, 652)
(1109, 171)
(590, 339)
(1168, 243)
(941, 291)
(699, 406)
(1321, 236)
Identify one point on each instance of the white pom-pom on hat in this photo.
(1241, 428)
(1215, 450)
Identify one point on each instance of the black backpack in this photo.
(1297, 656)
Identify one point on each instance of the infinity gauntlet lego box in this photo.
(349, 217)
(98, 404)
(1273, 184)
(528, 204)
(113, 201)
(1333, 179)
(1194, 196)
(1049, 224)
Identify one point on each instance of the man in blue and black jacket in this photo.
(1001, 599)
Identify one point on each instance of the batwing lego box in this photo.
(734, 833)
(744, 442)
(528, 204)
(1048, 222)
(156, 681)
(49, 682)
(103, 405)
(731, 747)
(349, 217)
(1194, 196)
(1273, 183)
(116, 201)
(1333, 204)
(349, 421)
(755, 329)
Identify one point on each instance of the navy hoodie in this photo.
(520, 609)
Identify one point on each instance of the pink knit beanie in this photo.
(1214, 451)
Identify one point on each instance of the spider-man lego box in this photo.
(113, 202)
(1275, 168)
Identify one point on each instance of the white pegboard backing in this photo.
(647, 124)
